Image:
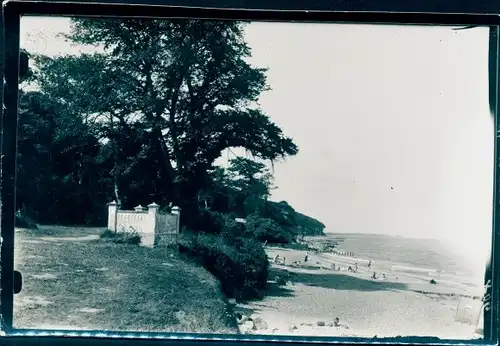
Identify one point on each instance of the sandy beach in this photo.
(315, 295)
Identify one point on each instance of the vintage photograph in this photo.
(209, 176)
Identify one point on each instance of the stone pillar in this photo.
(148, 239)
(139, 208)
(112, 215)
(177, 211)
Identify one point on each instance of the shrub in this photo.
(253, 260)
(122, 237)
(207, 221)
(107, 234)
(219, 223)
(240, 264)
(265, 229)
(23, 221)
(229, 227)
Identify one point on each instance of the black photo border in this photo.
(14, 9)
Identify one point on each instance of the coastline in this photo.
(315, 295)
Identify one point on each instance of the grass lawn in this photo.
(72, 280)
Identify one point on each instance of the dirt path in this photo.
(89, 237)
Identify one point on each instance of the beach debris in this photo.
(336, 322)
(259, 324)
(293, 327)
(321, 323)
(241, 318)
(275, 330)
(247, 327)
(433, 282)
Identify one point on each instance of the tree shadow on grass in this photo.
(339, 281)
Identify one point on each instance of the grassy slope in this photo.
(136, 288)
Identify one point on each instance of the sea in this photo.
(422, 258)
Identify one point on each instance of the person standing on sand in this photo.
(369, 264)
(306, 258)
(356, 267)
(336, 322)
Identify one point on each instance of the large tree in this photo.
(189, 85)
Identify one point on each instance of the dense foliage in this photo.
(241, 264)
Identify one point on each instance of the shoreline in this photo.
(306, 299)
(447, 285)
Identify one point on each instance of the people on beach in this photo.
(349, 269)
(332, 266)
(356, 267)
(306, 258)
(277, 259)
(369, 264)
(383, 275)
(374, 276)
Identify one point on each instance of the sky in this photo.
(392, 123)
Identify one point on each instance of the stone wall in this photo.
(155, 228)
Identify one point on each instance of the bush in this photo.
(219, 223)
(266, 230)
(23, 221)
(240, 264)
(107, 234)
(122, 237)
(206, 221)
(229, 227)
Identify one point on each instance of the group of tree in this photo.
(144, 118)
